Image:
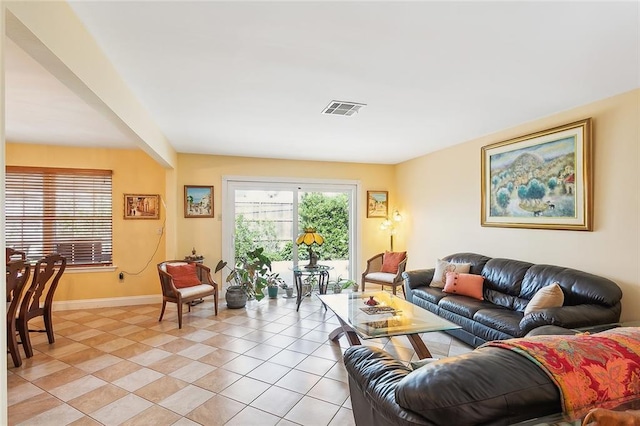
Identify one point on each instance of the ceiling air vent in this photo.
(342, 108)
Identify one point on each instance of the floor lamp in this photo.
(390, 225)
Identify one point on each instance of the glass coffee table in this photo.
(392, 316)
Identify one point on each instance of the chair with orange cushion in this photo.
(17, 280)
(183, 282)
(386, 269)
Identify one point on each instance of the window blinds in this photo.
(65, 211)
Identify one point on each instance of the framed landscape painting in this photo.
(198, 201)
(541, 181)
(377, 204)
(141, 206)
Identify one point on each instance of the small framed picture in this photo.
(198, 201)
(377, 204)
(141, 206)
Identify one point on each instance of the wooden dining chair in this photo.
(46, 275)
(17, 279)
(13, 254)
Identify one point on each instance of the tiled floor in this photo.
(263, 365)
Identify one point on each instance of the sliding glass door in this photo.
(272, 213)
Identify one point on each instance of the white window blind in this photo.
(65, 211)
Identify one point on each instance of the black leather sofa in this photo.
(488, 386)
(590, 301)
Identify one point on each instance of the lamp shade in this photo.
(310, 236)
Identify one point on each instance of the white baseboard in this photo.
(109, 302)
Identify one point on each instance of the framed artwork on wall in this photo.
(377, 204)
(542, 180)
(141, 206)
(198, 201)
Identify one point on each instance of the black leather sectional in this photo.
(590, 301)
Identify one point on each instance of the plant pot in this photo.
(236, 297)
(337, 289)
(273, 292)
(289, 292)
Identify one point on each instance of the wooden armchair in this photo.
(374, 273)
(183, 281)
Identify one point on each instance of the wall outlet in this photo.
(159, 231)
(121, 276)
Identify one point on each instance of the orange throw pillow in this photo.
(391, 260)
(464, 284)
(184, 275)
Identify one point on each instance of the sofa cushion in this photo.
(430, 294)
(474, 389)
(463, 305)
(504, 276)
(442, 267)
(501, 319)
(477, 261)
(550, 296)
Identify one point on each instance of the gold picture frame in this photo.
(198, 201)
(378, 204)
(141, 206)
(541, 181)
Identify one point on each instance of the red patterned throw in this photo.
(589, 369)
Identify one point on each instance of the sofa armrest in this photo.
(578, 316)
(418, 277)
(373, 376)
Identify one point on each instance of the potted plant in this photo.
(273, 282)
(341, 284)
(247, 279)
(287, 289)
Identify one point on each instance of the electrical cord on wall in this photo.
(123, 273)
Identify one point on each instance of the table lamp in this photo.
(310, 237)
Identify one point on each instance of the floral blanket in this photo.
(588, 369)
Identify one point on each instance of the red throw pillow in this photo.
(391, 260)
(464, 284)
(184, 275)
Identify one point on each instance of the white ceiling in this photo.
(251, 78)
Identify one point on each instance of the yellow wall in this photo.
(441, 193)
(205, 234)
(134, 241)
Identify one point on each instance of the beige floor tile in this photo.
(218, 380)
(288, 358)
(59, 349)
(14, 380)
(253, 417)
(99, 363)
(263, 351)
(344, 417)
(22, 393)
(60, 415)
(216, 411)
(219, 357)
(187, 399)
(85, 421)
(280, 341)
(85, 334)
(338, 372)
(161, 389)
(315, 365)
(77, 387)
(240, 345)
(97, 398)
(277, 401)
(32, 407)
(219, 340)
(143, 334)
(298, 381)
(81, 356)
(95, 340)
(121, 410)
(40, 370)
(159, 340)
(59, 378)
(268, 372)
(170, 364)
(200, 335)
(193, 371)
(137, 379)
(154, 415)
(125, 329)
(312, 412)
(330, 390)
(245, 390)
(116, 371)
(242, 364)
(177, 345)
(149, 357)
(115, 344)
(131, 350)
(196, 351)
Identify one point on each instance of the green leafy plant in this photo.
(340, 284)
(252, 273)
